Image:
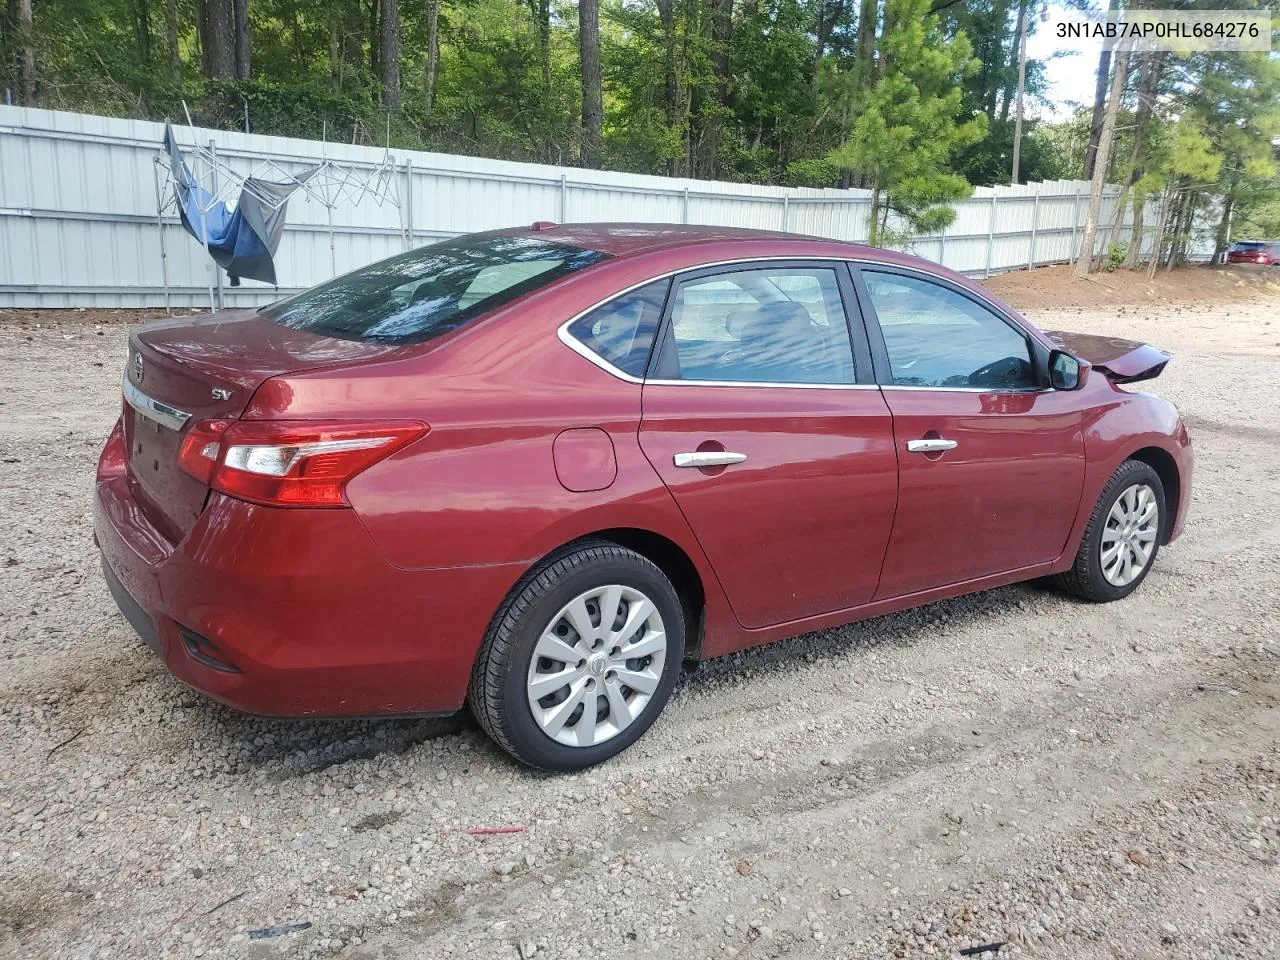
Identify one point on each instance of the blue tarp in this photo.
(242, 241)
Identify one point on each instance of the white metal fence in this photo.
(79, 224)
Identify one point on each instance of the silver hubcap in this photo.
(1129, 538)
(596, 665)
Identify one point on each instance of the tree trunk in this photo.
(1117, 217)
(592, 97)
(335, 47)
(1084, 257)
(1177, 202)
(1182, 236)
(1223, 238)
(1148, 88)
(830, 12)
(671, 91)
(721, 40)
(864, 66)
(218, 40)
(433, 50)
(375, 40)
(541, 10)
(707, 154)
(1133, 255)
(1099, 106)
(991, 52)
(873, 217)
(1157, 247)
(142, 30)
(389, 54)
(26, 56)
(240, 10)
(171, 38)
(1175, 218)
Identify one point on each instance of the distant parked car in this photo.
(1255, 251)
(535, 470)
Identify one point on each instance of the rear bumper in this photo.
(305, 616)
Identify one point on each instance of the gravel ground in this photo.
(1076, 781)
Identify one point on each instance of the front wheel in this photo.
(580, 659)
(1123, 537)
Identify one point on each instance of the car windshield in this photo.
(431, 291)
(1247, 247)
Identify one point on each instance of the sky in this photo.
(1071, 73)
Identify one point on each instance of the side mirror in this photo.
(1064, 371)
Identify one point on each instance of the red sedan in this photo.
(537, 470)
(1254, 251)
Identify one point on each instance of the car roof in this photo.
(624, 239)
(667, 241)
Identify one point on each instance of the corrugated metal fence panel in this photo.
(78, 211)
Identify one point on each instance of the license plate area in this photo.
(151, 446)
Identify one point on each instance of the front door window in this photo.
(936, 337)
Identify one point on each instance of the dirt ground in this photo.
(1054, 288)
(1075, 781)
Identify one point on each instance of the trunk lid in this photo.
(1120, 361)
(183, 370)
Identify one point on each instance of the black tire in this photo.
(498, 694)
(1085, 578)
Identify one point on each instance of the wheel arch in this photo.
(669, 557)
(1166, 468)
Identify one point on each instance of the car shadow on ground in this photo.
(904, 629)
(301, 747)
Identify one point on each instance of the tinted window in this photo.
(1247, 246)
(772, 325)
(430, 291)
(621, 331)
(939, 338)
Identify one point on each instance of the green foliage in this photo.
(1116, 253)
(916, 105)
(906, 129)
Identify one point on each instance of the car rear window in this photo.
(431, 291)
(1244, 247)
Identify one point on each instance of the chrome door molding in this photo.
(565, 337)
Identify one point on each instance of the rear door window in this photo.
(431, 291)
(773, 324)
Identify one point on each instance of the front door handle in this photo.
(935, 445)
(708, 458)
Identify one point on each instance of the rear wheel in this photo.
(1123, 537)
(580, 659)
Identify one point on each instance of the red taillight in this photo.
(289, 463)
(198, 454)
(1262, 258)
(112, 459)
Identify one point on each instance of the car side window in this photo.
(621, 331)
(936, 337)
(767, 325)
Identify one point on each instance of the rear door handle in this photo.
(936, 445)
(708, 458)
